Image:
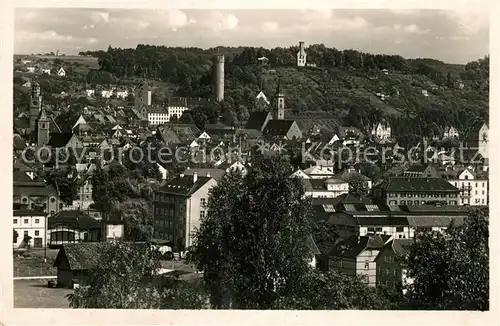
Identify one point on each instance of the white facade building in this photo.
(32, 224)
(474, 191)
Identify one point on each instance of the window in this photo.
(37, 220)
(52, 212)
(403, 202)
(52, 199)
(378, 229)
(37, 233)
(399, 229)
(25, 233)
(15, 221)
(25, 221)
(482, 192)
(395, 272)
(367, 265)
(203, 202)
(371, 229)
(202, 214)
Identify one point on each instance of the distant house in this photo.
(31, 69)
(325, 188)
(107, 93)
(450, 132)
(381, 131)
(156, 115)
(90, 92)
(61, 72)
(121, 94)
(262, 96)
(46, 71)
(425, 93)
(27, 84)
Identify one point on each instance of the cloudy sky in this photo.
(455, 36)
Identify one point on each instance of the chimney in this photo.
(195, 177)
(208, 174)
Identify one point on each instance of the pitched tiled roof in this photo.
(256, 120)
(28, 212)
(419, 184)
(400, 246)
(59, 139)
(278, 127)
(75, 219)
(80, 256)
(184, 186)
(365, 242)
(217, 174)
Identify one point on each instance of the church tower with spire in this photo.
(279, 103)
(43, 129)
(35, 105)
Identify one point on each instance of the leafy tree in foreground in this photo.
(252, 246)
(334, 290)
(451, 270)
(125, 277)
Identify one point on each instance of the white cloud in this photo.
(85, 27)
(316, 14)
(270, 26)
(177, 18)
(471, 20)
(219, 21)
(99, 16)
(52, 36)
(91, 40)
(415, 29)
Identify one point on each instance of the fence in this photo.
(35, 271)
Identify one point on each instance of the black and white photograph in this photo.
(251, 159)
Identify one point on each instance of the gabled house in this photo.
(360, 258)
(61, 72)
(68, 140)
(258, 120)
(283, 129)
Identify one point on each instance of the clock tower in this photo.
(35, 105)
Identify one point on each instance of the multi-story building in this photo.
(155, 115)
(416, 191)
(473, 189)
(391, 269)
(29, 228)
(179, 207)
(353, 216)
(35, 194)
(360, 258)
(477, 139)
(325, 188)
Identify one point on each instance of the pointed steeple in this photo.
(43, 115)
(278, 89)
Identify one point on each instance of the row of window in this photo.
(379, 229)
(423, 195)
(468, 184)
(26, 221)
(416, 202)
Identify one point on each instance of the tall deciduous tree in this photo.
(125, 276)
(451, 270)
(252, 246)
